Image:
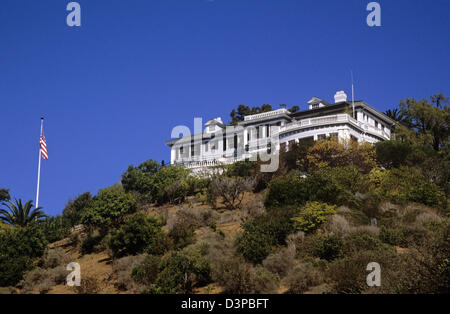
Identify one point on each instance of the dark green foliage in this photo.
(263, 232)
(140, 178)
(4, 195)
(349, 273)
(357, 242)
(286, 190)
(234, 274)
(89, 243)
(254, 244)
(147, 271)
(392, 153)
(328, 248)
(242, 110)
(242, 169)
(295, 157)
(109, 208)
(55, 228)
(156, 183)
(75, 208)
(18, 248)
(138, 234)
(405, 184)
(329, 185)
(18, 214)
(179, 273)
(182, 234)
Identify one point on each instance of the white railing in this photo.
(266, 114)
(331, 120)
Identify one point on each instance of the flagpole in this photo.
(39, 166)
(353, 97)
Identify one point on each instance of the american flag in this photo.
(43, 147)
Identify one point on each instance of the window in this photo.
(321, 137)
(283, 147)
(315, 106)
(267, 130)
(206, 146)
(181, 150)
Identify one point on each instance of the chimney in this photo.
(340, 96)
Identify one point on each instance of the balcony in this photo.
(265, 115)
(334, 119)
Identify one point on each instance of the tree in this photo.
(4, 195)
(392, 153)
(313, 215)
(294, 109)
(18, 247)
(19, 214)
(109, 208)
(138, 234)
(242, 111)
(429, 122)
(75, 208)
(231, 189)
(396, 115)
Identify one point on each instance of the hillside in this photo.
(330, 214)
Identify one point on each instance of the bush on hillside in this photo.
(18, 248)
(312, 216)
(302, 277)
(74, 209)
(231, 190)
(109, 208)
(140, 233)
(402, 185)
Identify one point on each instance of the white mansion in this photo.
(278, 129)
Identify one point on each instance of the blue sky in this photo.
(113, 89)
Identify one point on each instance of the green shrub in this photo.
(254, 244)
(402, 185)
(18, 248)
(328, 248)
(312, 216)
(109, 208)
(138, 234)
(179, 272)
(147, 271)
(358, 241)
(74, 209)
(55, 228)
(302, 277)
(234, 275)
(286, 190)
(392, 153)
(334, 185)
(241, 169)
(264, 281)
(349, 273)
(90, 243)
(263, 232)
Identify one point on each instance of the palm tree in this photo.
(19, 214)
